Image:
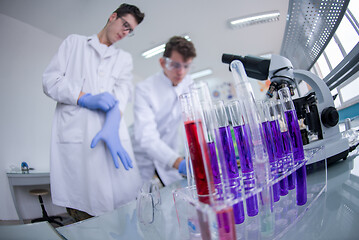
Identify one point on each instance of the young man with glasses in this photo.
(158, 146)
(91, 81)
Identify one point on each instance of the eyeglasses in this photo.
(127, 27)
(170, 65)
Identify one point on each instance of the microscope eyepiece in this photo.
(256, 67)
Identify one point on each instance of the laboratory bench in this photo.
(334, 214)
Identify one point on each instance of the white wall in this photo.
(26, 112)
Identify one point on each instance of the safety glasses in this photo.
(173, 65)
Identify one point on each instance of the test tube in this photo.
(258, 150)
(230, 159)
(298, 151)
(199, 154)
(288, 163)
(240, 130)
(280, 151)
(269, 135)
(204, 112)
(199, 157)
(210, 139)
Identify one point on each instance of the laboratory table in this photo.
(335, 215)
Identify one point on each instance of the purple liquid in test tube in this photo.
(278, 144)
(214, 163)
(298, 154)
(246, 167)
(233, 174)
(280, 155)
(272, 160)
(297, 144)
(288, 163)
(215, 168)
(245, 157)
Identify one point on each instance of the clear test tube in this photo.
(269, 136)
(280, 151)
(288, 163)
(210, 140)
(258, 149)
(199, 154)
(297, 144)
(242, 136)
(230, 159)
(199, 158)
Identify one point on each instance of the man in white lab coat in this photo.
(155, 139)
(91, 81)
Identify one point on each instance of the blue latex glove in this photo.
(182, 167)
(109, 134)
(103, 101)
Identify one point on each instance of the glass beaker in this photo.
(149, 212)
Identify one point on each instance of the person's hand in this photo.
(103, 101)
(109, 134)
(182, 167)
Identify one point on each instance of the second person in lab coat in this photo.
(156, 142)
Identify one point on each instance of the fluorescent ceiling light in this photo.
(254, 19)
(202, 73)
(159, 49)
(154, 51)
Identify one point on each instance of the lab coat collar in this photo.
(101, 49)
(166, 79)
(180, 87)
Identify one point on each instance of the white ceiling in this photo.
(205, 21)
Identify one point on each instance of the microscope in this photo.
(316, 109)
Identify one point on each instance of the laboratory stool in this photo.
(45, 217)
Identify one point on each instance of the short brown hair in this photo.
(125, 8)
(182, 46)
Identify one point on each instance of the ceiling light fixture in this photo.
(254, 19)
(202, 73)
(154, 51)
(159, 49)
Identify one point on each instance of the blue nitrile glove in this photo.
(103, 101)
(109, 134)
(182, 167)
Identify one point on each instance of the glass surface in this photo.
(350, 91)
(323, 66)
(354, 8)
(347, 35)
(332, 215)
(38, 231)
(334, 54)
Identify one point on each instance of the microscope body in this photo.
(321, 118)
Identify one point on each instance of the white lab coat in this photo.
(158, 119)
(83, 178)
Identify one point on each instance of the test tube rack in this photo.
(285, 213)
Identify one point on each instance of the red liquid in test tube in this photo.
(203, 189)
